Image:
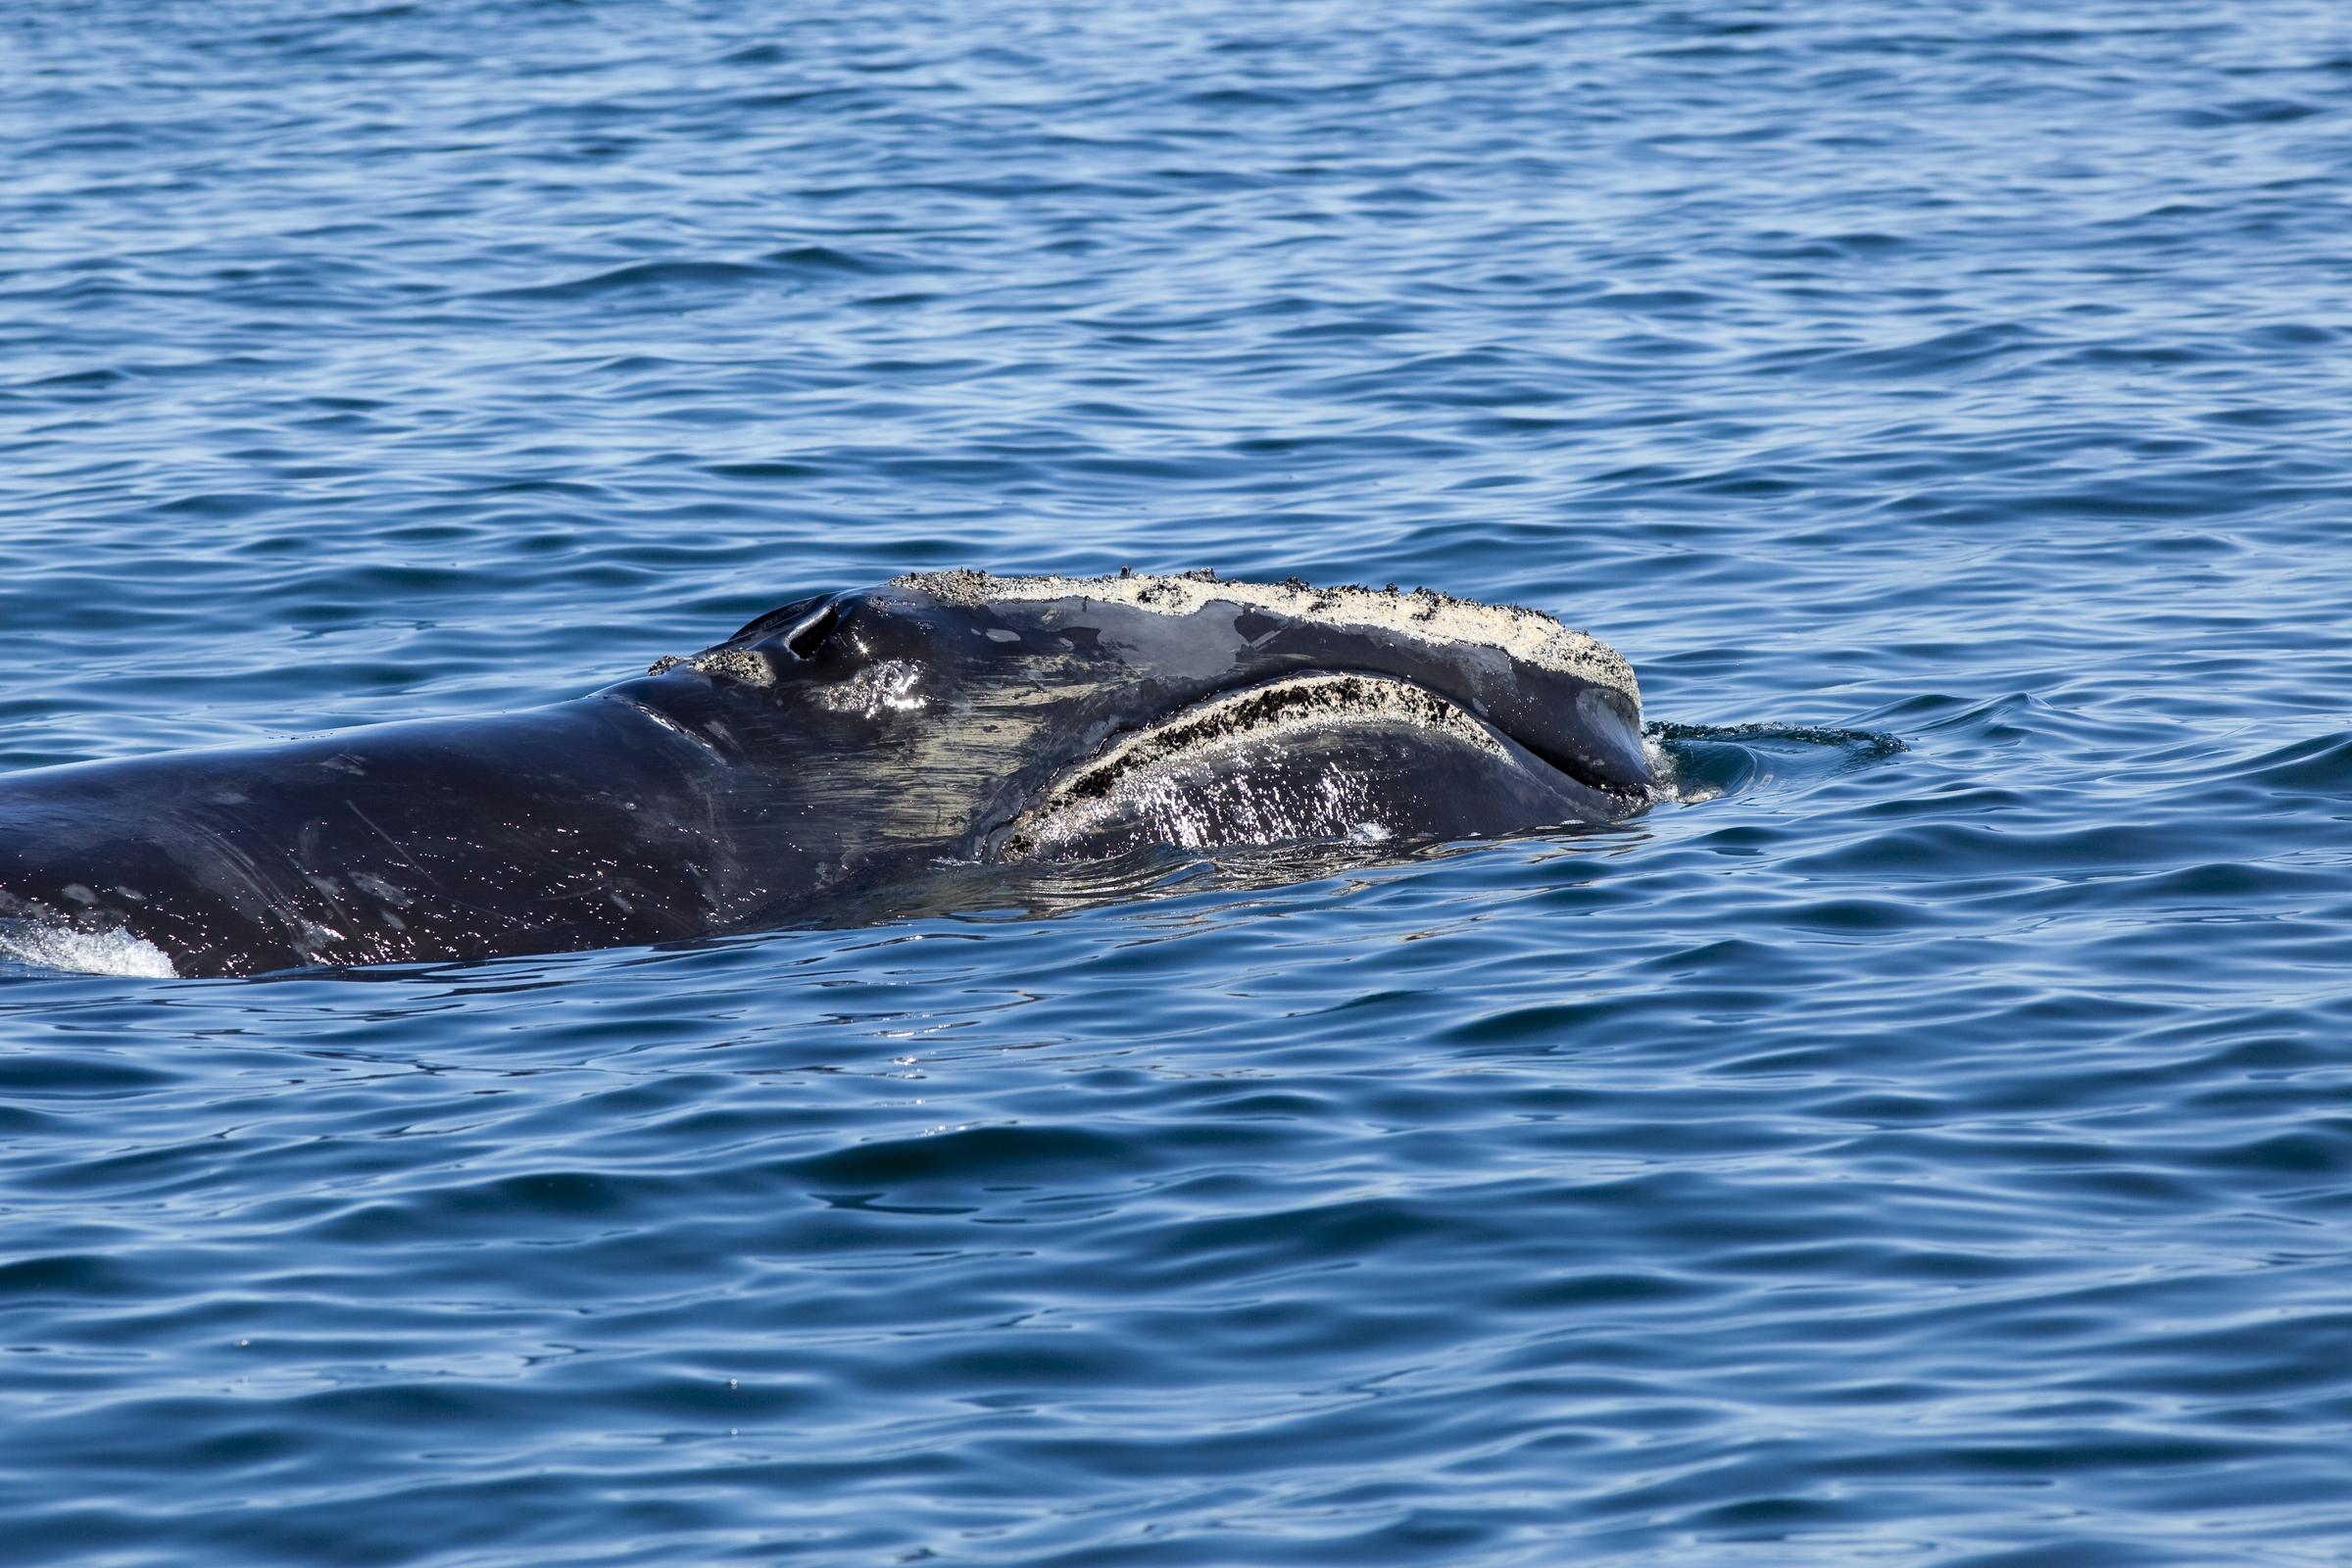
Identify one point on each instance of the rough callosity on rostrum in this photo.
(1523, 634)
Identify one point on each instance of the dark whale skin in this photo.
(834, 745)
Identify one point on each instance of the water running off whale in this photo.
(831, 747)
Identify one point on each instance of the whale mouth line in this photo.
(1148, 769)
(1268, 708)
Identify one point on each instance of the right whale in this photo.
(840, 744)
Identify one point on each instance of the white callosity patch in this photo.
(742, 664)
(1528, 635)
(1190, 776)
(888, 685)
(84, 952)
(1210, 798)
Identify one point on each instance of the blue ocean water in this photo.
(1929, 1138)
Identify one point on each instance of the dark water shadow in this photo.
(984, 895)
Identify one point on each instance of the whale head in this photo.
(1024, 718)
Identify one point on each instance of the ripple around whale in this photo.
(1706, 762)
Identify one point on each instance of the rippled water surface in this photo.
(1928, 1140)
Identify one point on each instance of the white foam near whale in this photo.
(84, 952)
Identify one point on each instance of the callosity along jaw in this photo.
(1318, 757)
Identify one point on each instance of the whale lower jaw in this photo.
(1310, 757)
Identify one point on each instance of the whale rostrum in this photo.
(839, 744)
